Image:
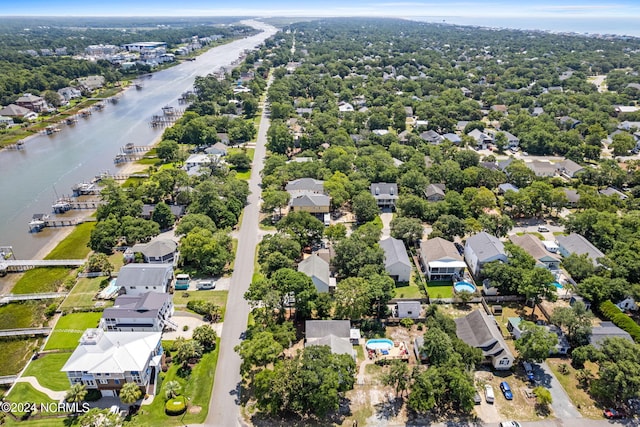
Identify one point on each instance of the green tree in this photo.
(282, 243)
(130, 393)
(187, 349)
(335, 232)
(409, 230)
(537, 284)
(351, 299)
(259, 351)
(96, 417)
(207, 251)
(99, 262)
(398, 377)
(575, 321)
(301, 226)
(622, 143)
(365, 207)
(543, 398)
(437, 346)
(172, 389)
(104, 236)
(279, 139)
(536, 342)
(274, 199)
(191, 221)
(76, 393)
(578, 266)
(163, 216)
(206, 336)
(239, 160)
(168, 150)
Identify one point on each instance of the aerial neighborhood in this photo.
(444, 227)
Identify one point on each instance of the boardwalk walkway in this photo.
(15, 265)
(6, 299)
(24, 332)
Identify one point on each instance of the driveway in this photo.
(386, 218)
(561, 404)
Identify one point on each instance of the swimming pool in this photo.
(558, 285)
(464, 287)
(379, 344)
(110, 291)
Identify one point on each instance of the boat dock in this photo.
(24, 332)
(17, 146)
(6, 299)
(131, 153)
(85, 189)
(41, 221)
(66, 204)
(20, 265)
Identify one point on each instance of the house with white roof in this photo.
(441, 259)
(396, 259)
(482, 248)
(137, 279)
(482, 139)
(106, 361)
(147, 312)
(159, 251)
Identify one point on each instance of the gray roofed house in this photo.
(386, 194)
(434, 192)
(572, 196)
(157, 251)
(305, 185)
(568, 168)
(13, 110)
(310, 202)
(149, 311)
(91, 82)
(503, 164)
(408, 309)
(217, 149)
(396, 259)
(606, 330)
(480, 330)
(541, 168)
(537, 111)
(576, 244)
(503, 188)
(441, 259)
(482, 248)
(334, 333)
(137, 279)
(610, 191)
(107, 360)
(481, 138)
(318, 270)
(32, 102)
(177, 210)
(453, 138)
(431, 136)
(534, 247)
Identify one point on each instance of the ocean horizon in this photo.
(618, 26)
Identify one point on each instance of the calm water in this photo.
(51, 164)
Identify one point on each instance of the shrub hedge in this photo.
(621, 320)
(175, 406)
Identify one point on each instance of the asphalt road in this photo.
(224, 407)
(561, 403)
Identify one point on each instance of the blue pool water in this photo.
(379, 344)
(557, 285)
(464, 286)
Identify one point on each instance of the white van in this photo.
(543, 229)
(205, 285)
(488, 394)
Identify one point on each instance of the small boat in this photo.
(99, 106)
(85, 113)
(51, 129)
(139, 86)
(38, 222)
(71, 120)
(61, 206)
(168, 110)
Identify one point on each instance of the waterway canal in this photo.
(48, 166)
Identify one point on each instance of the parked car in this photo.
(510, 424)
(459, 247)
(528, 369)
(488, 394)
(543, 229)
(204, 285)
(476, 398)
(506, 390)
(612, 414)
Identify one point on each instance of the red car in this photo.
(611, 414)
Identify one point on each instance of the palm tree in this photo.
(172, 389)
(76, 393)
(130, 393)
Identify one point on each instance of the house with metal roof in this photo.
(106, 361)
(503, 188)
(318, 270)
(482, 248)
(576, 244)
(534, 247)
(334, 333)
(568, 168)
(137, 279)
(13, 110)
(396, 259)
(159, 251)
(606, 330)
(434, 192)
(304, 186)
(147, 312)
(480, 330)
(441, 259)
(386, 194)
(313, 203)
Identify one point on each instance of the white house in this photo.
(137, 279)
(107, 360)
(482, 248)
(627, 304)
(158, 251)
(147, 312)
(318, 270)
(396, 259)
(408, 309)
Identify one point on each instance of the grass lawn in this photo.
(74, 246)
(16, 354)
(217, 297)
(580, 398)
(197, 388)
(45, 279)
(70, 328)
(440, 289)
(249, 151)
(24, 392)
(82, 294)
(27, 314)
(408, 291)
(47, 369)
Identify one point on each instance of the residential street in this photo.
(224, 408)
(561, 404)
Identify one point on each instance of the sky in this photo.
(592, 16)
